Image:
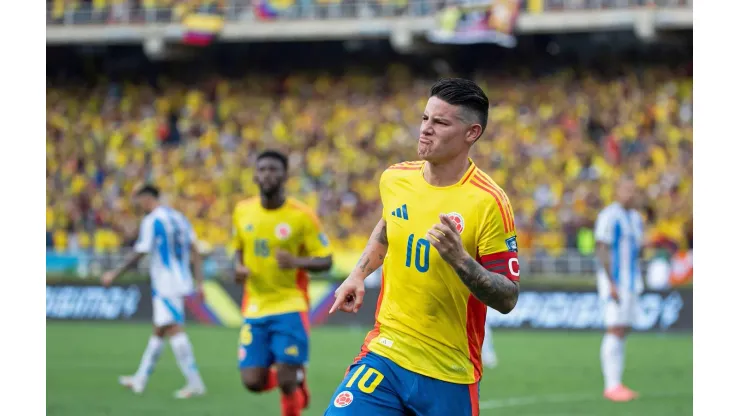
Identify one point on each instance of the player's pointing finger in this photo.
(337, 302)
(340, 296)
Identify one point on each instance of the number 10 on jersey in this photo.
(420, 253)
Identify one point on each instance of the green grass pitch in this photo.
(540, 373)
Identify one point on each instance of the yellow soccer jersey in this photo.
(258, 232)
(427, 321)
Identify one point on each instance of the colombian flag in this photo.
(201, 29)
(270, 9)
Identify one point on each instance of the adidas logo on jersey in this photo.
(401, 213)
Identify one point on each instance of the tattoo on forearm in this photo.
(493, 289)
(367, 263)
(382, 236)
(364, 262)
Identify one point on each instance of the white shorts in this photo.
(168, 311)
(622, 313)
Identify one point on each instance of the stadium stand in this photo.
(556, 138)
(139, 11)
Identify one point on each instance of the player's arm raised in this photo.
(350, 294)
(494, 289)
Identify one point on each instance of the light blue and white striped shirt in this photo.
(166, 235)
(622, 231)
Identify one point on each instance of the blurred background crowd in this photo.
(557, 138)
(118, 11)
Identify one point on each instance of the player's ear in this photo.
(474, 132)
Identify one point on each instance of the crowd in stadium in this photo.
(116, 11)
(554, 143)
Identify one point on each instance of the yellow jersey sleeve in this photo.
(236, 239)
(315, 240)
(497, 246)
(385, 178)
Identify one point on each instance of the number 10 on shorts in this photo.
(365, 384)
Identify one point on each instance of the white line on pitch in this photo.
(562, 398)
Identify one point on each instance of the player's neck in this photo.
(447, 173)
(273, 201)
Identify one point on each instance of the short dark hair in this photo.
(464, 93)
(148, 190)
(274, 154)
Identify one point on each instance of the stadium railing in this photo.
(570, 265)
(242, 10)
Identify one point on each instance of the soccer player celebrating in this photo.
(447, 245)
(169, 238)
(277, 240)
(618, 244)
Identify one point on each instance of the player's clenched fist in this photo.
(445, 238)
(349, 295)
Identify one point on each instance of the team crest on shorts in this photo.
(282, 231)
(242, 353)
(458, 219)
(343, 399)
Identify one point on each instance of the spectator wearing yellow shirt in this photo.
(199, 140)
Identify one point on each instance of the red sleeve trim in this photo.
(505, 263)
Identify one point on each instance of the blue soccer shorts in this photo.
(375, 385)
(281, 339)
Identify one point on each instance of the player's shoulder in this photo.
(610, 211)
(304, 211)
(177, 214)
(246, 204)
(148, 219)
(160, 213)
(484, 188)
(299, 206)
(179, 217)
(403, 169)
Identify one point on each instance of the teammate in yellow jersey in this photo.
(278, 240)
(447, 245)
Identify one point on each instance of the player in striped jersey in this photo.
(447, 245)
(618, 246)
(166, 235)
